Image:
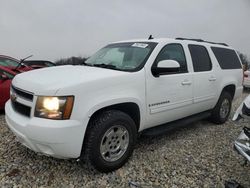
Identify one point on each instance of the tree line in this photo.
(245, 61)
(71, 61)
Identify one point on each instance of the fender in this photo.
(106, 103)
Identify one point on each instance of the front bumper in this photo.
(57, 138)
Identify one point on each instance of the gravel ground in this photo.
(200, 155)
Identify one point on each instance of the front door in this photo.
(169, 96)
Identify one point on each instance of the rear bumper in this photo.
(57, 138)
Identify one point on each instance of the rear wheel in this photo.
(110, 140)
(222, 109)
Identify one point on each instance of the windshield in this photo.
(7, 62)
(122, 56)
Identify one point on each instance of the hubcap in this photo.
(114, 143)
(224, 109)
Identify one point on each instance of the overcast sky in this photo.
(62, 28)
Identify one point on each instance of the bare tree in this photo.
(71, 61)
(244, 61)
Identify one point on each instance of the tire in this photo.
(222, 109)
(110, 140)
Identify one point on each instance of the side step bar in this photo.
(162, 129)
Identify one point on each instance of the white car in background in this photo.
(246, 82)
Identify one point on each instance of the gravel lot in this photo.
(200, 155)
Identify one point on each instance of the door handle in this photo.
(186, 82)
(212, 78)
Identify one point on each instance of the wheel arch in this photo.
(130, 108)
(230, 88)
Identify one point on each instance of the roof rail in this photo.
(200, 40)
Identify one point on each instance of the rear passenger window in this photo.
(227, 58)
(200, 58)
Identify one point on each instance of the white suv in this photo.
(96, 111)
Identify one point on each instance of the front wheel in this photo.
(110, 140)
(222, 109)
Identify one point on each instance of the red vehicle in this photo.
(9, 67)
(14, 64)
(6, 76)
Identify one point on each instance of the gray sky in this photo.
(62, 28)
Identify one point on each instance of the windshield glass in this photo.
(7, 62)
(122, 56)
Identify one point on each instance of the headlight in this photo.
(54, 107)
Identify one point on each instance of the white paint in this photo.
(176, 96)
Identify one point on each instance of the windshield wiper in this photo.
(21, 62)
(108, 66)
(86, 64)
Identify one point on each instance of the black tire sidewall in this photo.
(216, 112)
(95, 157)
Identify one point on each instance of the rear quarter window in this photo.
(227, 58)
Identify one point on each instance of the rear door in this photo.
(204, 78)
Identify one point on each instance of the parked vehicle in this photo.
(13, 64)
(9, 67)
(6, 76)
(23, 64)
(36, 64)
(242, 143)
(246, 82)
(96, 112)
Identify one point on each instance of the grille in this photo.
(23, 94)
(20, 108)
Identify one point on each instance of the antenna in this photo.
(150, 37)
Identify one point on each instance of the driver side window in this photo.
(173, 52)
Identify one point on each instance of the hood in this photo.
(47, 81)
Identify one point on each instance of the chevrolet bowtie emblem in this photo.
(13, 97)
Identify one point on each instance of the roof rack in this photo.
(200, 40)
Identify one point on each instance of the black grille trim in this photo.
(24, 94)
(20, 108)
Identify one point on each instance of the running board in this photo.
(162, 129)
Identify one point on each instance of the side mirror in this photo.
(166, 66)
(4, 77)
